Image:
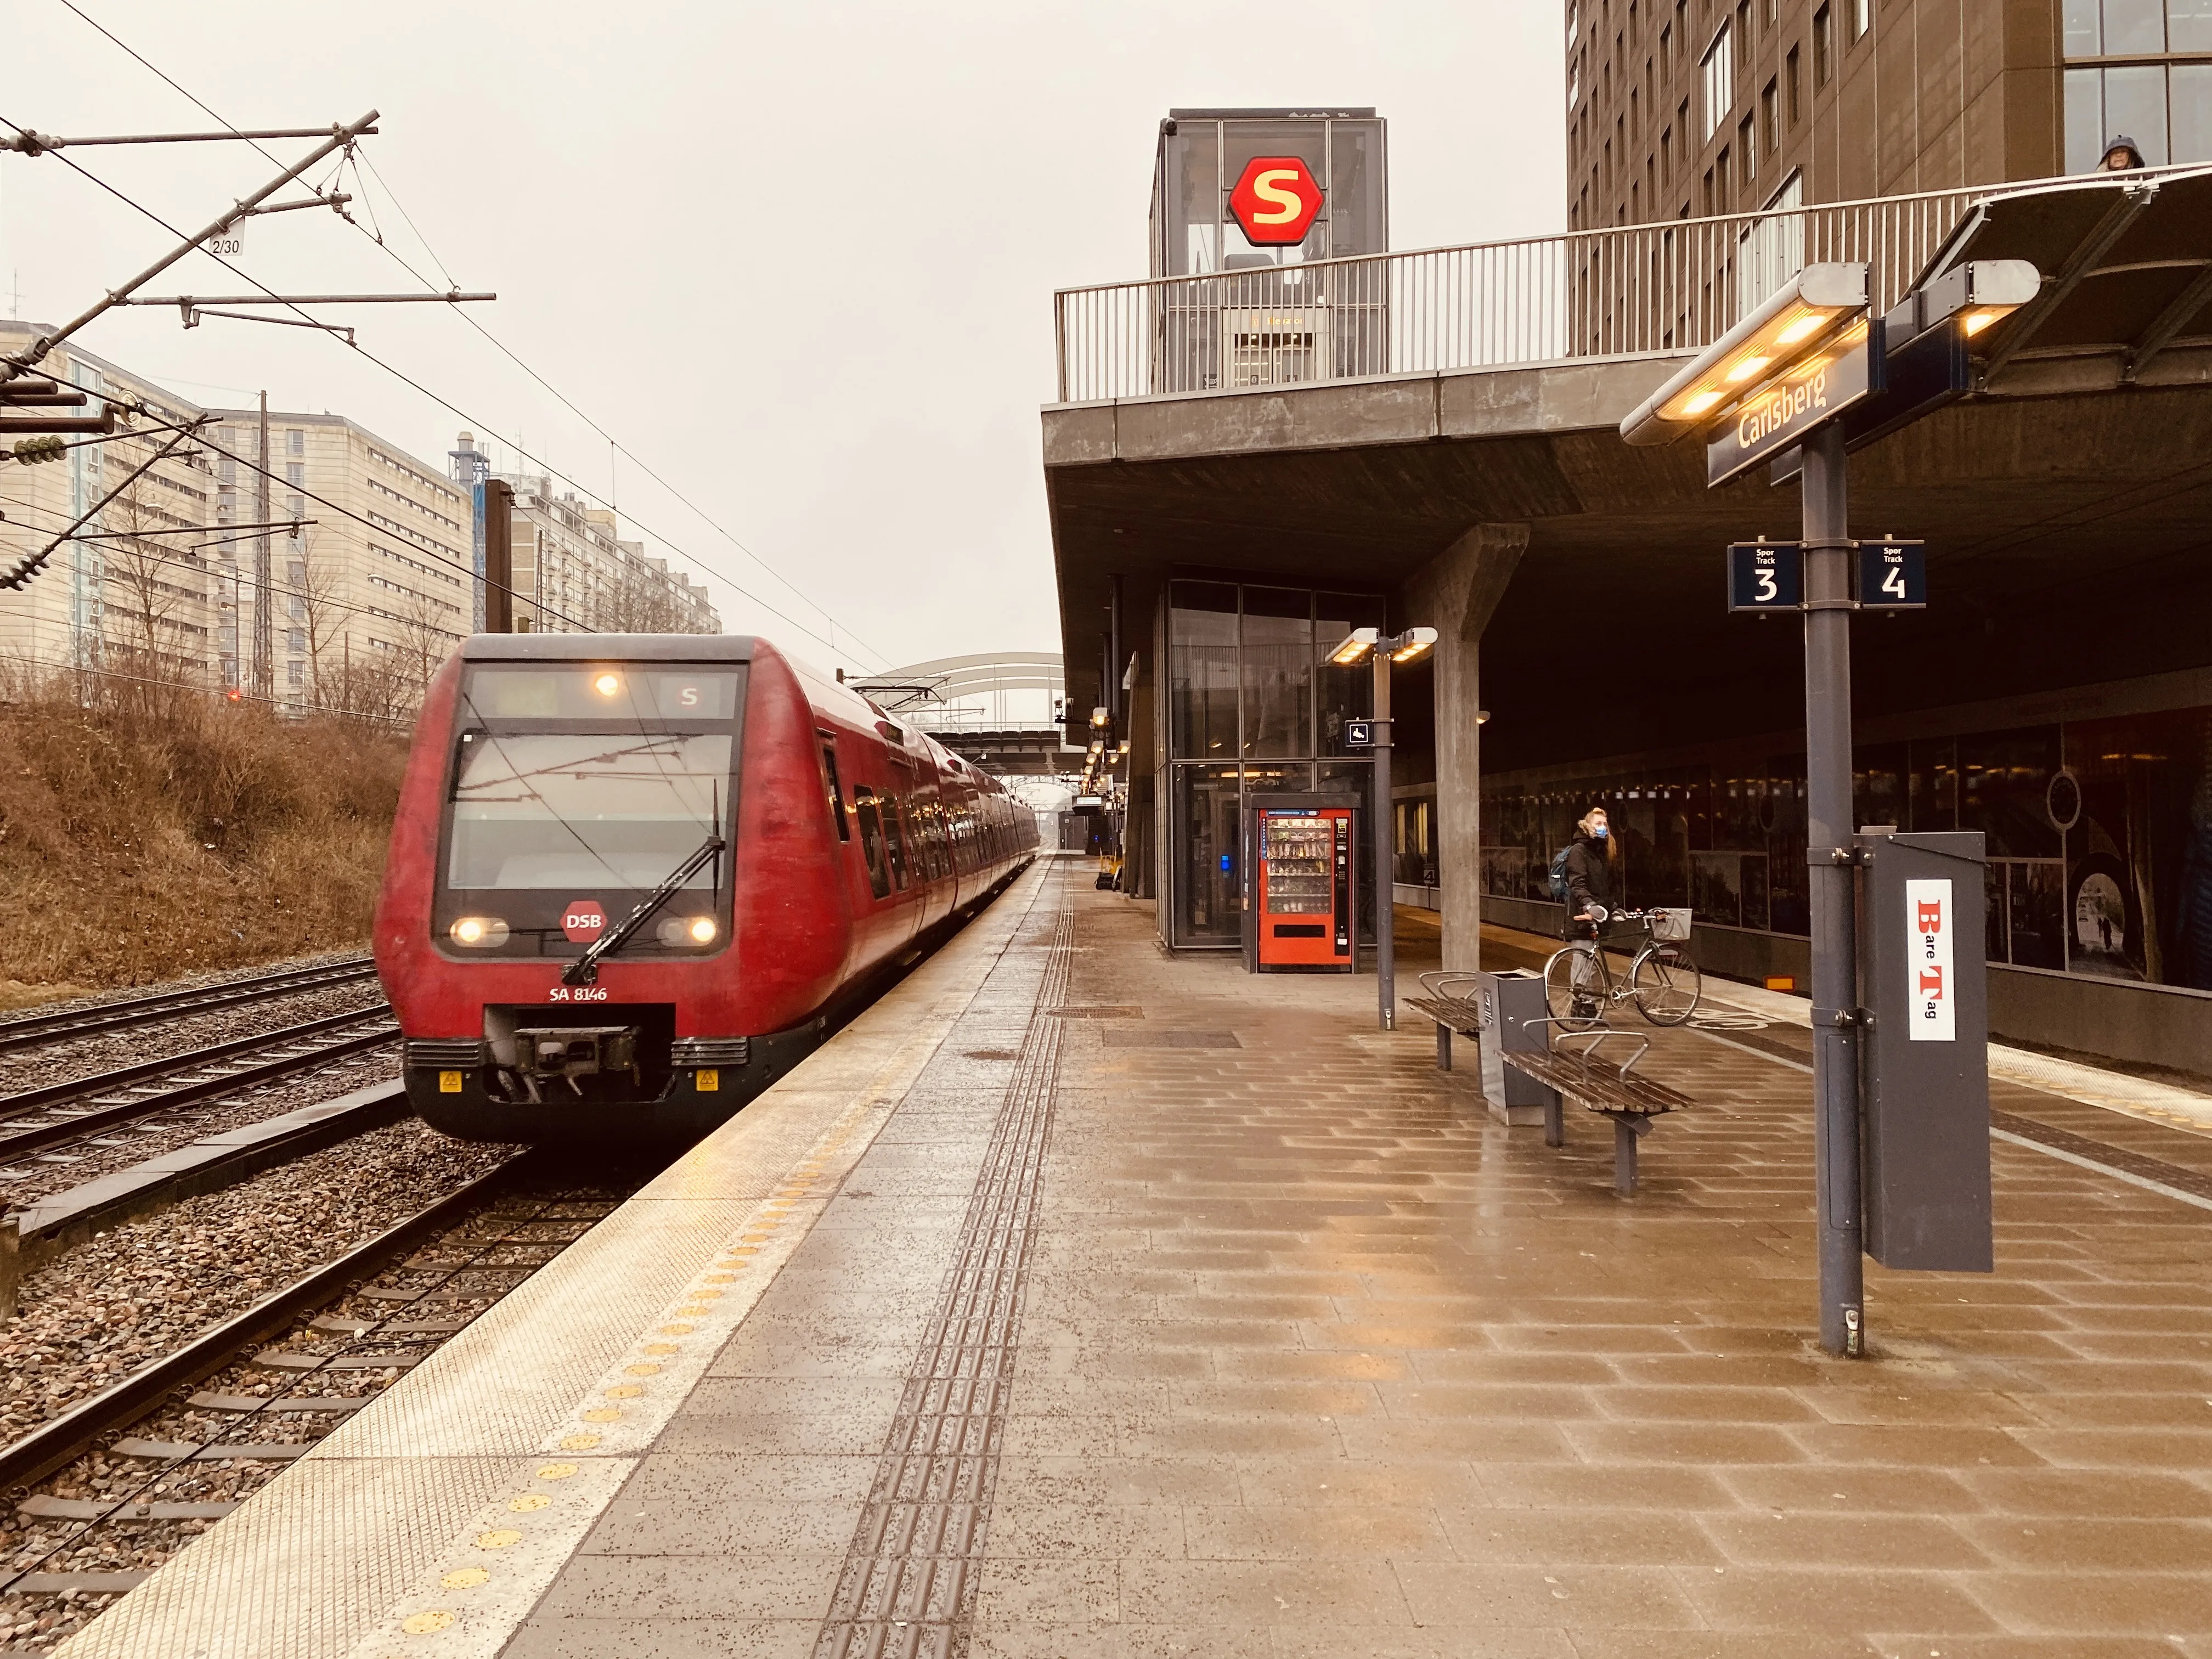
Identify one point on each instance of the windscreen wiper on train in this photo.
(585, 969)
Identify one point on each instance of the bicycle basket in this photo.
(1670, 925)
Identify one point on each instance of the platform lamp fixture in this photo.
(1778, 385)
(1387, 650)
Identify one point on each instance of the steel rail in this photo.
(30, 1028)
(53, 1443)
(33, 1136)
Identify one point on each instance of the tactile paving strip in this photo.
(907, 1586)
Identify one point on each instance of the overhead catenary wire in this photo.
(241, 576)
(467, 570)
(360, 159)
(416, 385)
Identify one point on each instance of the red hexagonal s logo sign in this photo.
(1275, 200)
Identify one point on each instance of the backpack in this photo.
(1559, 876)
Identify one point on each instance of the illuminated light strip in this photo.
(520, 1552)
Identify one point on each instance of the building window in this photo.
(1707, 211)
(295, 674)
(1861, 19)
(2132, 99)
(1667, 155)
(1574, 22)
(1746, 150)
(1795, 81)
(295, 474)
(1824, 55)
(1719, 81)
(295, 442)
(1770, 117)
(1743, 33)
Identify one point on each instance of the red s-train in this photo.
(636, 877)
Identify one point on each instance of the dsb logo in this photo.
(1276, 200)
(583, 920)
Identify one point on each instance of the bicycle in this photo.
(1662, 980)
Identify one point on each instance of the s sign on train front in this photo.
(1276, 200)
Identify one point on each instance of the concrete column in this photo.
(1456, 594)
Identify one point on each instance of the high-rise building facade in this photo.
(375, 588)
(133, 595)
(1692, 109)
(572, 573)
(337, 572)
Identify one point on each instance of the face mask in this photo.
(1602, 831)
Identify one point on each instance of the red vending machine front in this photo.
(1302, 891)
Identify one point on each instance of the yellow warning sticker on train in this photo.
(710, 1081)
(449, 1083)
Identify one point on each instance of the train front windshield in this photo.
(575, 791)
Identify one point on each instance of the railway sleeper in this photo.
(278, 1359)
(191, 1451)
(289, 1405)
(84, 1584)
(42, 1507)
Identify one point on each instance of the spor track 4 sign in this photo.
(1276, 200)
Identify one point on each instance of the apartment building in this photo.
(573, 572)
(377, 584)
(1691, 108)
(133, 596)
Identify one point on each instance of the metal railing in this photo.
(1675, 286)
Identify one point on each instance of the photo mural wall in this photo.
(2099, 835)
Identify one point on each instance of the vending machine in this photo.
(1302, 890)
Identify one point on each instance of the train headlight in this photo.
(606, 685)
(681, 932)
(703, 930)
(478, 933)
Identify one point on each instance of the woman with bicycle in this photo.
(1590, 857)
(1662, 980)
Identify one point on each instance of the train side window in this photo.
(894, 842)
(836, 795)
(872, 840)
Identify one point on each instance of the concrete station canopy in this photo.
(2055, 502)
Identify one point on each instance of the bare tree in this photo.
(161, 590)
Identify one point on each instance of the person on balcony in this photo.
(2121, 156)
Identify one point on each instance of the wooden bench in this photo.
(1449, 1010)
(1598, 1085)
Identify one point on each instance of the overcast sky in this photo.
(798, 259)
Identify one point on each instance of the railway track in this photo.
(28, 1030)
(36, 1120)
(410, 1290)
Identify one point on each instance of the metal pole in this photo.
(264, 664)
(1828, 838)
(1386, 965)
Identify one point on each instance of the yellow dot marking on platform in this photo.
(499, 1539)
(695, 1313)
(528, 1501)
(659, 1347)
(579, 1442)
(718, 1278)
(603, 1414)
(422, 1624)
(625, 1391)
(556, 1471)
(640, 1370)
(706, 1295)
(466, 1578)
(676, 1330)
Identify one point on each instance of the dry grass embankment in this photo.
(140, 842)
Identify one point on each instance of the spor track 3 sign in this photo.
(1276, 200)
